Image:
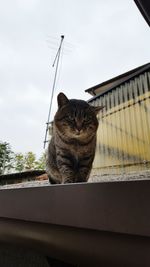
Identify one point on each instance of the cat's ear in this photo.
(62, 100)
(97, 109)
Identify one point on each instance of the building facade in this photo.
(123, 137)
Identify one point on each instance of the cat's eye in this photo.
(71, 118)
(86, 119)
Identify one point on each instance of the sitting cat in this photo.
(71, 149)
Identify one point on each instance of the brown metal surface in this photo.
(121, 207)
(89, 224)
(80, 247)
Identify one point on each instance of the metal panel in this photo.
(121, 207)
(80, 247)
(123, 138)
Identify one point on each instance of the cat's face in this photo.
(76, 118)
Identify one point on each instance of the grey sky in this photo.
(103, 38)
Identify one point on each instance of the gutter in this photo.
(80, 247)
(88, 224)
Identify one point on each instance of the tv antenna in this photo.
(56, 62)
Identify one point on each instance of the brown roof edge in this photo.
(111, 207)
(126, 75)
(21, 175)
(77, 246)
(89, 224)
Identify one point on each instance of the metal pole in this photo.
(54, 83)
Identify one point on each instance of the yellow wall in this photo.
(123, 136)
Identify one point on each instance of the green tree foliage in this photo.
(40, 163)
(19, 162)
(6, 158)
(30, 160)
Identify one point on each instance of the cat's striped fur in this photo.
(72, 147)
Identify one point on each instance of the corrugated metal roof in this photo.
(109, 84)
(117, 81)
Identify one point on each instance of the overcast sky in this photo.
(103, 38)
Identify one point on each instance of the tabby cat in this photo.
(71, 150)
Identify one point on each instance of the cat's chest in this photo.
(77, 148)
(79, 152)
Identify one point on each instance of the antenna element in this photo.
(56, 60)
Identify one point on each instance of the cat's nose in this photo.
(77, 132)
(78, 127)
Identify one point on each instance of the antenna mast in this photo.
(56, 60)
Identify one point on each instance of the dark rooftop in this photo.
(116, 81)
